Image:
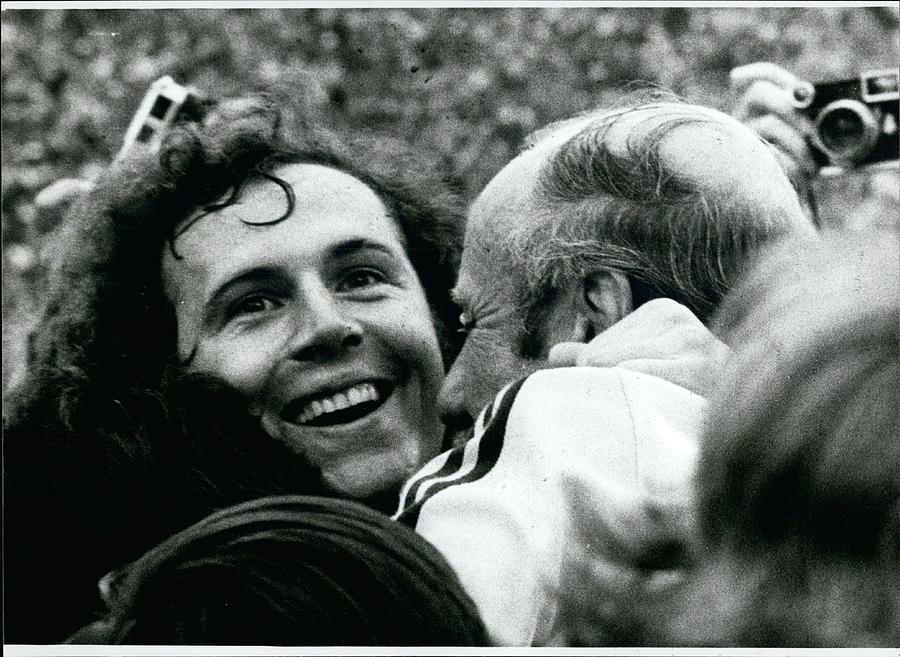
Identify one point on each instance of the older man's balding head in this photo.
(599, 214)
(673, 195)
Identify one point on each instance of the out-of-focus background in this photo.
(467, 84)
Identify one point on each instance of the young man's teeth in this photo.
(358, 394)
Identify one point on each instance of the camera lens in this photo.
(846, 131)
(841, 129)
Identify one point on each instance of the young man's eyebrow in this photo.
(268, 273)
(353, 246)
(256, 274)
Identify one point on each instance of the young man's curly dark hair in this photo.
(109, 444)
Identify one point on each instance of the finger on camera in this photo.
(742, 77)
(762, 97)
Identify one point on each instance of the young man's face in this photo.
(319, 320)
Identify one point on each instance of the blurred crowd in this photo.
(451, 338)
(464, 84)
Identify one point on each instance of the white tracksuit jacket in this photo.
(500, 507)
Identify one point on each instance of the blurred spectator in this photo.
(799, 479)
(288, 571)
(795, 539)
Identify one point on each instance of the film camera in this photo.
(855, 120)
(164, 102)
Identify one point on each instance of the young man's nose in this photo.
(322, 329)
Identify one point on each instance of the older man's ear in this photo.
(605, 299)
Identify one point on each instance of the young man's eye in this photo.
(251, 305)
(360, 278)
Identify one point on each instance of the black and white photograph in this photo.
(460, 328)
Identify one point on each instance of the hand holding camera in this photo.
(848, 124)
(765, 104)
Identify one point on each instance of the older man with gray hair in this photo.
(608, 242)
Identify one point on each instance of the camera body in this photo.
(164, 103)
(856, 121)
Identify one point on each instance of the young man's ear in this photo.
(605, 299)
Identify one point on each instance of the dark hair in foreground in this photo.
(290, 571)
(799, 479)
(106, 439)
(794, 536)
(798, 509)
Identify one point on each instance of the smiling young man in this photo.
(319, 321)
(255, 271)
(607, 242)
